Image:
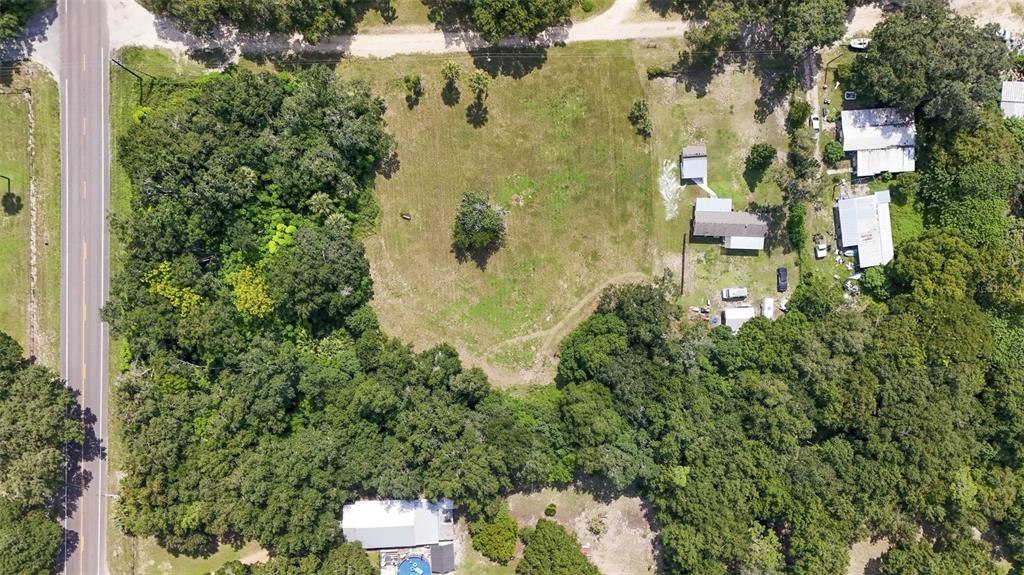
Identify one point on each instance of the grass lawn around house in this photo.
(558, 153)
(723, 111)
(30, 128)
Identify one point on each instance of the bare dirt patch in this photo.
(865, 555)
(626, 547)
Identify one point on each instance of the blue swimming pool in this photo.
(414, 566)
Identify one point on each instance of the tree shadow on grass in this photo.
(753, 177)
(476, 113)
(450, 94)
(480, 256)
(513, 62)
(12, 203)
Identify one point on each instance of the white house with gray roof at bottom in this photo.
(880, 139)
(713, 217)
(863, 223)
(1012, 99)
(397, 524)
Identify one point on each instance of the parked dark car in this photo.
(782, 279)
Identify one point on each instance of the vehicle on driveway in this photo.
(860, 43)
(782, 279)
(816, 124)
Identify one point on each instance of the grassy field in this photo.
(729, 111)
(556, 150)
(31, 153)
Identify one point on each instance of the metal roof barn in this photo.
(393, 524)
(1012, 99)
(735, 317)
(882, 138)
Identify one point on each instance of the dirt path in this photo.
(545, 360)
(131, 25)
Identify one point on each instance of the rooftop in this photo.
(726, 224)
(386, 524)
(876, 129)
(864, 224)
(735, 317)
(1012, 99)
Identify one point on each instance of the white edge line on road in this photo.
(66, 261)
(104, 261)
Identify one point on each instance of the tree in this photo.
(812, 23)
(798, 115)
(14, 14)
(722, 26)
(29, 539)
(834, 153)
(478, 224)
(760, 157)
(639, 116)
(552, 551)
(497, 19)
(478, 83)
(802, 150)
(450, 72)
(495, 538)
(926, 59)
(413, 88)
(816, 296)
(795, 229)
(315, 19)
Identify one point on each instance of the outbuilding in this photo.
(735, 317)
(398, 524)
(1012, 99)
(693, 164)
(880, 139)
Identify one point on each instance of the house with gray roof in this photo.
(864, 224)
(713, 217)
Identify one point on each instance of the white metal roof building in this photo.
(1012, 99)
(882, 140)
(735, 317)
(394, 524)
(693, 163)
(864, 224)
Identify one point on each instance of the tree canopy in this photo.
(926, 59)
(552, 551)
(314, 19)
(14, 14)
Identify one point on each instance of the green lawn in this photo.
(721, 110)
(30, 154)
(556, 151)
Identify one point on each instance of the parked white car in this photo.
(820, 251)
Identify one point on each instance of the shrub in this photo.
(656, 71)
(640, 117)
(496, 539)
(801, 153)
(799, 113)
(795, 226)
(596, 526)
(478, 224)
(478, 83)
(833, 153)
(874, 282)
(550, 510)
(760, 157)
(413, 85)
(526, 533)
(587, 6)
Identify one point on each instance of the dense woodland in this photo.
(38, 419)
(259, 393)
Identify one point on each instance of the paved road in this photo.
(85, 159)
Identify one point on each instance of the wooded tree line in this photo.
(14, 14)
(37, 421)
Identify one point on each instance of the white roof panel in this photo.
(694, 168)
(1012, 109)
(393, 523)
(744, 243)
(714, 205)
(876, 128)
(892, 160)
(735, 317)
(1013, 92)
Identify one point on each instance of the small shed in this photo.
(442, 558)
(735, 317)
(693, 163)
